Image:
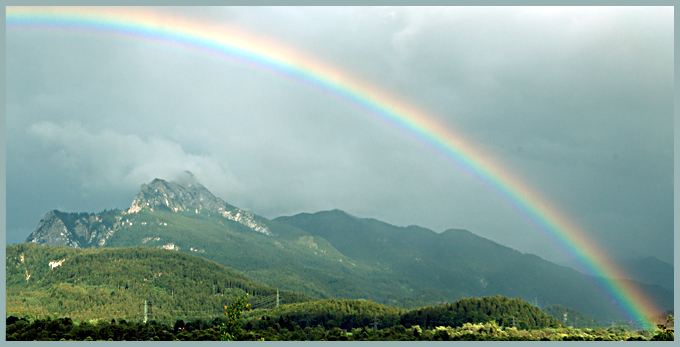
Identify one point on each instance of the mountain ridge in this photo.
(76, 230)
(328, 253)
(482, 266)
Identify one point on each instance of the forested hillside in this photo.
(500, 309)
(348, 314)
(56, 292)
(457, 263)
(114, 282)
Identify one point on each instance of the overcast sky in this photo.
(578, 102)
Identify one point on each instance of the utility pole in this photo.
(146, 311)
(307, 320)
(376, 322)
(277, 297)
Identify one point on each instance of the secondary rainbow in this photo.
(230, 43)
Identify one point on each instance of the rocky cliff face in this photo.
(82, 230)
(187, 194)
(184, 194)
(78, 230)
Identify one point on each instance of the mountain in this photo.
(458, 263)
(186, 194)
(184, 216)
(82, 230)
(330, 254)
(107, 283)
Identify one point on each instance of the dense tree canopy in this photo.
(283, 329)
(114, 282)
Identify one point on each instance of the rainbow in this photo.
(225, 42)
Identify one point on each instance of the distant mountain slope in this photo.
(114, 282)
(650, 270)
(458, 263)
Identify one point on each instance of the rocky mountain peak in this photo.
(72, 229)
(185, 193)
(182, 194)
(58, 234)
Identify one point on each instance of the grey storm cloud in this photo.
(108, 159)
(578, 102)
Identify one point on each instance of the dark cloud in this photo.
(576, 101)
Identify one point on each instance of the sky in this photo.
(577, 102)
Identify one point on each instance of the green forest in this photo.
(114, 282)
(100, 294)
(285, 328)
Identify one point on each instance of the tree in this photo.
(665, 333)
(232, 328)
(179, 325)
